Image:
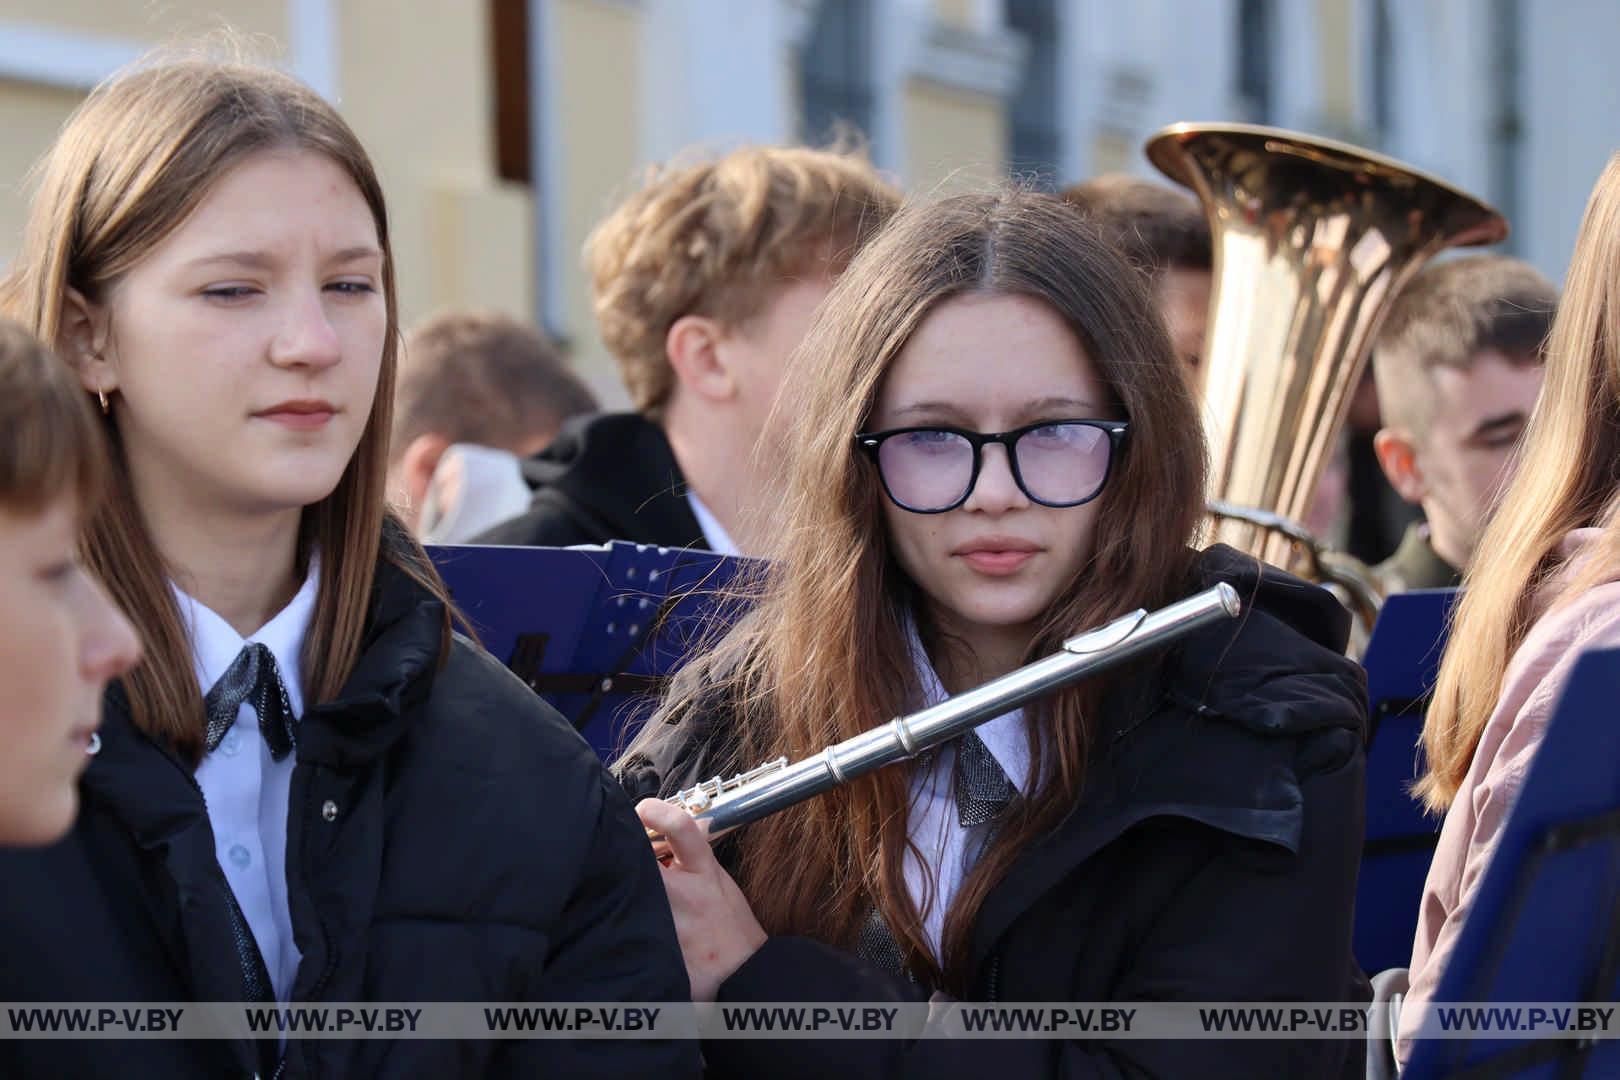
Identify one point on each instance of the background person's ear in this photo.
(694, 348)
(82, 343)
(416, 468)
(1397, 456)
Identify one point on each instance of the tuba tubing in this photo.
(726, 804)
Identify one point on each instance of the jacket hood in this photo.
(618, 468)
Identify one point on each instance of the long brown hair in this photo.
(824, 655)
(136, 158)
(1568, 477)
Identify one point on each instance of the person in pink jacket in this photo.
(1544, 588)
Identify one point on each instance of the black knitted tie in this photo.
(982, 788)
(877, 945)
(256, 984)
(982, 793)
(253, 678)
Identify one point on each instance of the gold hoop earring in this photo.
(101, 396)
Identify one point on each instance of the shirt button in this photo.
(232, 744)
(240, 856)
(329, 810)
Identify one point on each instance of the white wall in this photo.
(1443, 109)
(1571, 112)
(1127, 70)
(712, 75)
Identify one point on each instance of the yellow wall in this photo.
(1338, 81)
(956, 12)
(419, 94)
(953, 138)
(791, 91)
(1113, 151)
(30, 116)
(155, 23)
(599, 102)
(415, 81)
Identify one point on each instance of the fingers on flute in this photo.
(687, 839)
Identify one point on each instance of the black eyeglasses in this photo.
(929, 470)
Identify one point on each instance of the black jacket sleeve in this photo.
(615, 943)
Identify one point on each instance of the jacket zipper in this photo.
(326, 936)
(993, 984)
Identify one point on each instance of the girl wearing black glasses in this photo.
(992, 448)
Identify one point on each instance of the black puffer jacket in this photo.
(1212, 857)
(450, 838)
(609, 476)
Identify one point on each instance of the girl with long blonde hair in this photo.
(991, 448)
(311, 790)
(1543, 588)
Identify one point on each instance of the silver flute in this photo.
(726, 804)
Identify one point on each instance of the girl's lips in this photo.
(997, 563)
(299, 421)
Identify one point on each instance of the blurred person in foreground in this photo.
(1458, 366)
(478, 391)
(1542, 589)
(61, 639)
(704, 282)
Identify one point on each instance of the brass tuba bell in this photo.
(1312, 241)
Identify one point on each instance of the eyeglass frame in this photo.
(871, 442)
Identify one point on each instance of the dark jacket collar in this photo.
(1210, 732)
(1416, 565)
(399, 655)
(618, 470)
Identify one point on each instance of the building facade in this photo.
(503, 129)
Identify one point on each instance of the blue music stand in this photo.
(596, 631)
(1545, 925)
(1402, 662)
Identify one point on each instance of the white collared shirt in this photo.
(714, 533)
(247, 792)
(947, 850)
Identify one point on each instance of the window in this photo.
(1033, 110)
(1507, 126)
(1383, 69)
(835, 71)
(509, 49)
(1255, 36)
